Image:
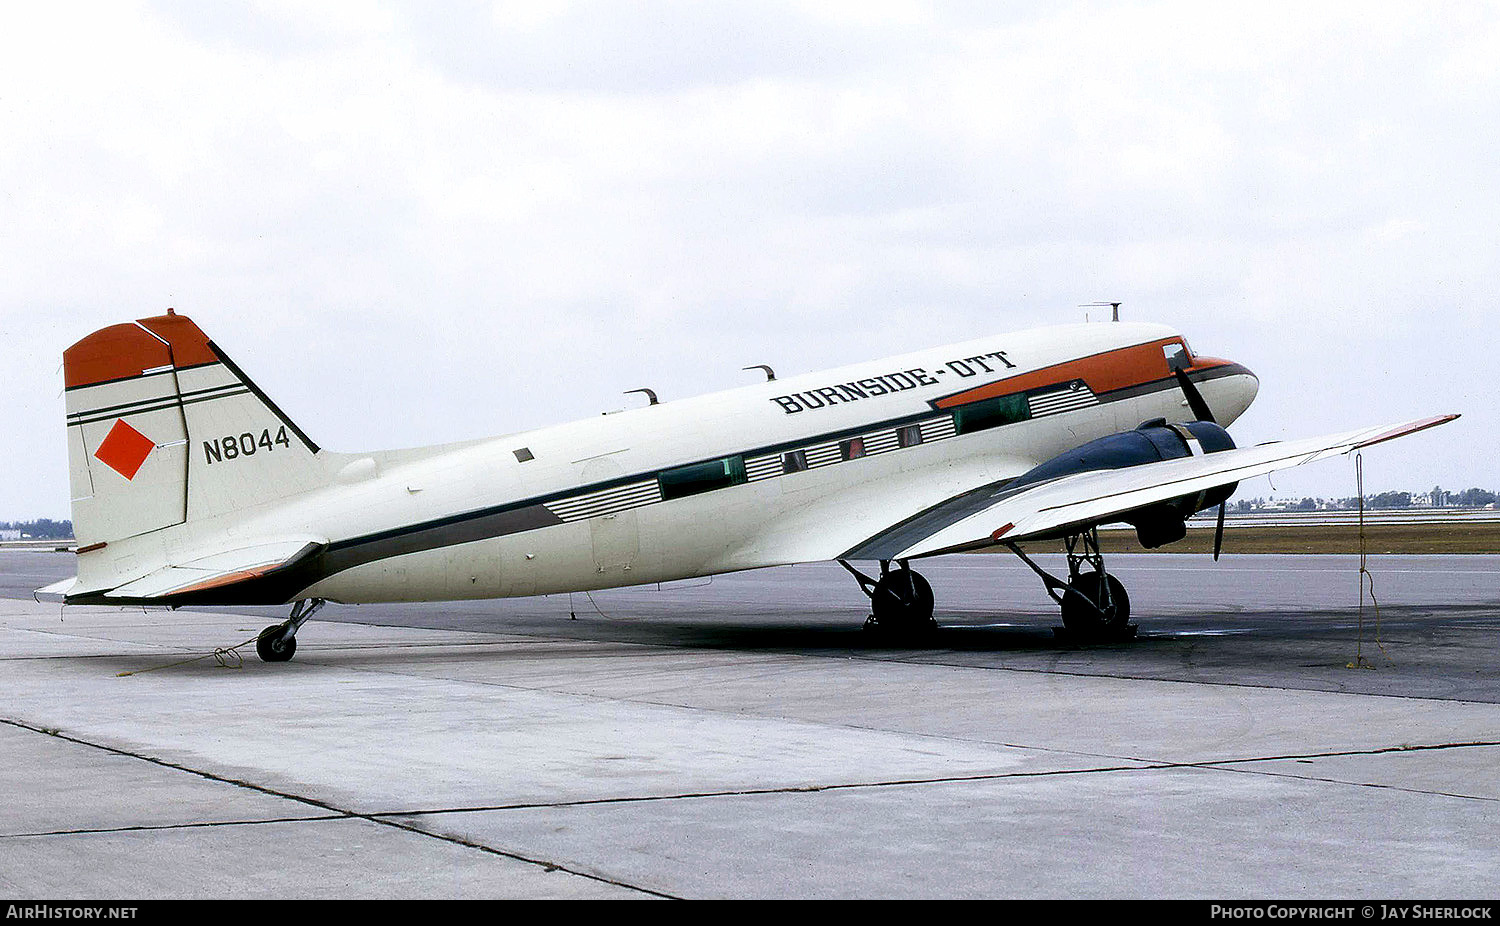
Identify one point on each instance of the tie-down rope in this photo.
(1365, 577)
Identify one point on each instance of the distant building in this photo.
(10, 535)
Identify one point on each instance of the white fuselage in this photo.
(580, 506)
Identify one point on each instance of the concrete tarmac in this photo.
(743, 738)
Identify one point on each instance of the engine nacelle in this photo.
(1151, 442)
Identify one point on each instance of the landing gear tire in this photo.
(901, 604)
(1096, 610)
(272, 648)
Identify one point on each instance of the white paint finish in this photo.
(154, 496)
(285, 493)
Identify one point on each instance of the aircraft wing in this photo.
(1075, 502)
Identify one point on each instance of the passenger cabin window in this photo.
(852, 449)
(794, 461)
(524, 455)
(990, 413)
(701, 477)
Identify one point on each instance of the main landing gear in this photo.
(1094, 605)
(278, 642)
(900, 600)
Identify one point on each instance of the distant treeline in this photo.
(1437, 498)
(48, 529)
(41, 529)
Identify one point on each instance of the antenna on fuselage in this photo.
(649, 394)
(770, 373)
(1115, 306)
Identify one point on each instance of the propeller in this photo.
(1200, 408)
(1202, 412)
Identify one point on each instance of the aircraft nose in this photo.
(1246, 385)
(1232, 386)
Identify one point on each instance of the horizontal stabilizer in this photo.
(57, 591)
(219, 569)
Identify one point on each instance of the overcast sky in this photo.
(414, 223)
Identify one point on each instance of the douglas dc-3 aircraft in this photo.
(190, 487)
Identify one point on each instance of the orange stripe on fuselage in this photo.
(1106, 372)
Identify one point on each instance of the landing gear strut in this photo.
(1094, 605)
(900, 600)
(278, 642)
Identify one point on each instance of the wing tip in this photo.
(1410, 427)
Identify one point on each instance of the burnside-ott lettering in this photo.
(888, 383)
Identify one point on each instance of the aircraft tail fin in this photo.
(163, 428)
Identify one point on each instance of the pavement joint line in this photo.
(338, 812)
(491, 850)
(755, 792)
(1271, 773)
(1145, 765)
(194, 824)
(1377, 750)
(1226, 765)
(1073, 673)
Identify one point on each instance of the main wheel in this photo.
(902, 602)
(1091, 612)
(272, 648)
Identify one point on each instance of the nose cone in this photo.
(1229, 387)
(1241, 388)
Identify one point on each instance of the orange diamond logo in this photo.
(124, 449)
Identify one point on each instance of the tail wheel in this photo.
(272, 648)
(902, 601)
(1095, 606)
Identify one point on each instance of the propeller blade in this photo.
(1200, 408)
(1219, 531)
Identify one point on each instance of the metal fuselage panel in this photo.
(580, 506)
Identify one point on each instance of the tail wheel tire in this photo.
(1088, 613)
(903, 602)
(272, 648)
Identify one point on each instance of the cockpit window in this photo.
(1178, 357)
